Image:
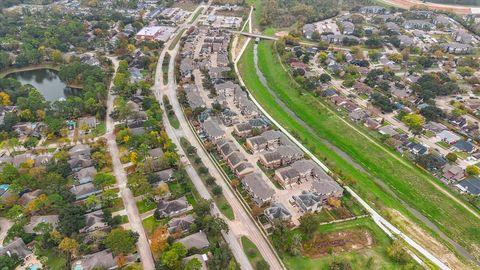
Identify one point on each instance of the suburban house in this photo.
(197, 240)
(212, 130)
(268, 140)
(79, 149)
(373, 10)
(257, 188)
(308, 202)
(101, 260)
(471, 186)
(277, 211)
(234, 159)
(164, 176)
(457, 48)
(448, 136)
(282, 156)
(435, 127)
(464, 146)
(453, 172)
(227, 149)
(94, 221)
(36, 220)
(242, 130)
(79, 162)
(326, 188)
(243, 169)
(85, 175)
(299, 171)
(16, 247)
(180, 224)
(173, 208)
(227, 88)
(83, 191)
(28, 197)
(155, 153)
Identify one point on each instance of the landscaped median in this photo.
(411, 185)
(207, 179)
(253, 254)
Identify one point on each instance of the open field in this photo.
(369, 255)
(253, 254)
(410, 184)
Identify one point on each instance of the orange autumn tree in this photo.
(158, 240)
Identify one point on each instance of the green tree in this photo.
(5, 60)
(120, 241)
(173, 256)
(308, 224)
(103, 180)
(325, 78)
(138, 183)
(452, 157)
(30, 143)
(71, 220)
(193, 264)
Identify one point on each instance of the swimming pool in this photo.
(32, 267)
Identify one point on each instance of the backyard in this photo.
(407, 182)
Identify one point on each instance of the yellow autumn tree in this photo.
(133, 157)
(334, 202)
(158, 240)
(4, 99)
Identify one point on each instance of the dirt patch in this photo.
(407, 4)
(338, 242)
(281, 34)
(427, 241)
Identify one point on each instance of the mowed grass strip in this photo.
(408, 182)
(253, 254)
(176, 39)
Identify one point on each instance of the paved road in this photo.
(243, 224)
(5, 225)
(134, 218)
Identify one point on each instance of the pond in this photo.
(47, 82)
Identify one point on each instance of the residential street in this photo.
(243, 224)
(134, 218)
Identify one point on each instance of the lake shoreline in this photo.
(51, 66)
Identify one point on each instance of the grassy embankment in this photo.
(408, 182)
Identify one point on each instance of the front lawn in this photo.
(55, 260)
(145, 205)
(150, 224)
